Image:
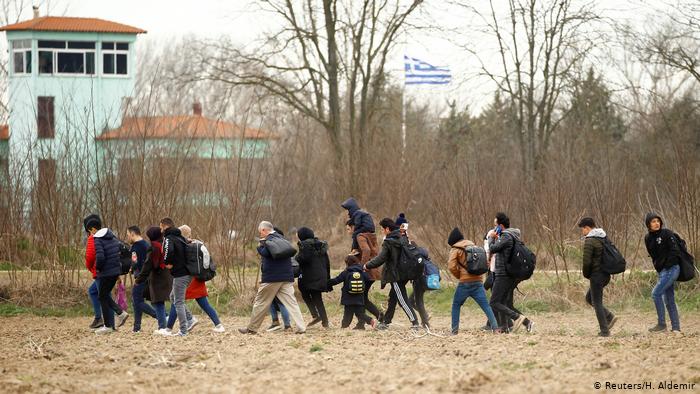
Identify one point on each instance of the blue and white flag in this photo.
(419, 72)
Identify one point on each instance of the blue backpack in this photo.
(432, 275)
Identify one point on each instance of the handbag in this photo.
(280, 248)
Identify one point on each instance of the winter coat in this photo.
(369, 249)
(160, 282)
(389, 257)
(274, 270)
(90, 255)
(503, 248)
(361, 220)
(174, 253)
(347, 298)
(458, 260)
(107, 256)
(314, 265)
(593, 252)
(196, 289)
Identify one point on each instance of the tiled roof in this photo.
(4, 132)
(181, 127)
(71, 24)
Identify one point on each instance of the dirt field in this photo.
(563, 355)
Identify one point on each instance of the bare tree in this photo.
(539, 45)
(326, 61)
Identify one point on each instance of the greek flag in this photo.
(419, 72)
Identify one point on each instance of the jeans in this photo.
(663, 293)
(94, 299)
(355, 310)
(594, 298)
(160, 314)
(502, 300)
(140, 305)
(177, 296)
(369, 305)
(314, 301)
(277, 306)
(476, 291)
(104, 290)
(416, 299)
(398, 294)
(203, 303)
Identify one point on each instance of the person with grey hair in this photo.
(277, 280)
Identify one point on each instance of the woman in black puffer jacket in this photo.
(315, 271)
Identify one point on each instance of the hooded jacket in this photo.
(361, 220)
(592, 252)
(389, 257)
(280, 270)
(346, 297)
(457, 262)
(174, 252)
(314, 265)
(107, 261)
(661, 245)
(160, 282)
(503, 248)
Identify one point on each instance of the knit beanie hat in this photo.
(455, 236)
(305, 233)
(401, 219)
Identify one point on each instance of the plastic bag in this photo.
(121, 296)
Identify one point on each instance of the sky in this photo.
(166, 20)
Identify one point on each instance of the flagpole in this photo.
(403, 100)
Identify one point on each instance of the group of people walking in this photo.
(161, 275)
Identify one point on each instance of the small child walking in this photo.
(354, 281)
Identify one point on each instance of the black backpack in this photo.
(124, 257)
(199, 262)
(410, 265)
(521, 264)
(476, 262)
(355, 283)
(612, 261)
(687, 264)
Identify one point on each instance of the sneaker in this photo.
(316, 320)
(178, 334)
(519, 322)
(219, 328)
(415, 327)
(136, 331)
(287, 328)
(604, 334)
(274, 327)
(164, 332)
(358, 327)
(97, 323)
(657, 328)
(382, 327)
(529, 325)
(454, 332)
(426, 325)
(300, 332)
(677, 332)
(122, 318)
(246, 331)
(497, 331)
(612, 322)
(104, 330)
(192, 324)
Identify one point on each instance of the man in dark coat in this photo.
(315, 268)
(389, 258)
(108, 268)
(175, 258)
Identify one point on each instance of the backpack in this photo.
(687, 264)
(476, 262)
(521, 264)
(124, 257)
(612, 262)
(410, 265)
(199, 262)
(432, 275)
(355, 283)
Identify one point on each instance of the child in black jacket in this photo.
(354, 281)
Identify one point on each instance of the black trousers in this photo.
(314, 301)
(417, 301)
(104, 294)
(359, 312)
(502, 300)
(594, 298)
(369, 305)
(398, 295)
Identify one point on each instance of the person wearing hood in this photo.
(417, 297)
(175, 258)
(108, 269)
(469, 285)
(315, 268)
(158, 278)
(389, 258)
(591, 269)
(665, 253)
(361, 220)
(354, 280)
(504, 285)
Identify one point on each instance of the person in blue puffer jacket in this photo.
(108, 267)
